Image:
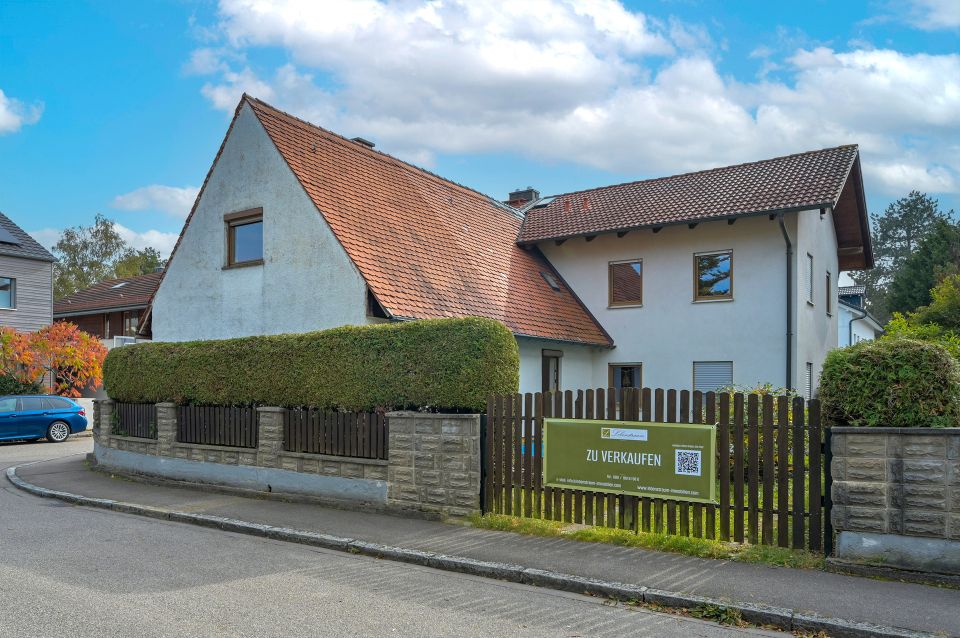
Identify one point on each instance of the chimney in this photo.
(360, 140)
(523, 196)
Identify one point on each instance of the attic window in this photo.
(6, 237)
(543, 203)
(551, 280)
(120, 285)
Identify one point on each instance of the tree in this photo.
(896, 234)
(936, 256)
(59, 354)
(944, 307)
(89, 254)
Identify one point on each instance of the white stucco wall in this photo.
(307, 281)
(816, 330)
(863, 329)
(577, 367)
(671, 331)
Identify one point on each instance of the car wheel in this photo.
(58, 432)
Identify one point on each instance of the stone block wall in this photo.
(896, 482)
(434, 463)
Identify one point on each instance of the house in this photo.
(693, 281)
(111, 309)
(26, 280)
(855, 323)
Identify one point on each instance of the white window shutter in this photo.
(709, 376)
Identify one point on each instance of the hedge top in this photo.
(442, 364)
(901, 383)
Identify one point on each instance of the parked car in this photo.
(34, 417)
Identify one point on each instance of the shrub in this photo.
(443, 364)
(11, 385)
(891, 383)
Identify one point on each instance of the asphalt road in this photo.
(72, 571)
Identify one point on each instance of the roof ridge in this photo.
(706, 170)
(376, 154)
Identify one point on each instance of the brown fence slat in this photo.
(753, 449)
(798, 469)
(815, 450)
(488, 455)
(517, 485)
(537, 451)
(783, 471)
(768, 475)
(723, 442)
(711, 417)
(547, 400)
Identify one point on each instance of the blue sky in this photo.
(119, 107)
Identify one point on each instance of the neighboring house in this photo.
(855, 323)
(26, 280)
(111, 309)
(297, 228)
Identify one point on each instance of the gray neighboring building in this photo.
(26, 280)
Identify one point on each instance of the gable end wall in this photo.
(307, 281)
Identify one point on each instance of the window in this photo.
(808, 277)
(8, 405)
(551, 369)
(244, 237)
(56, 403)
(625, 375)
(626, 283)
(29, 404)
(713, 276)
(131, 318)
(829, 291)
(709, 376)
(551, 280)
(106, 327)
(8, 292)
(809, 381)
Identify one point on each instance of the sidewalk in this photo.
(893, 604)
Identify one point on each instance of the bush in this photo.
(443, 364)
(891, 383)
(10, 385)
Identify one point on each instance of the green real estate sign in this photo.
(661, 460)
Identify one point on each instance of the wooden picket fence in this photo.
(217, 425)
(135, 419)
(770, 468)
(356, 434)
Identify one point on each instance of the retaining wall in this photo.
(896, 497)
(434, 465)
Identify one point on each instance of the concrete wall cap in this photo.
(166, 404)
(432, 415)
(270, 408)
(891, 431)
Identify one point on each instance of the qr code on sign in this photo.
(688, 462)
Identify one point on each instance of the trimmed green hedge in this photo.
(891, 383)
(441, 364)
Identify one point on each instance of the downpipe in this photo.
(789, 357)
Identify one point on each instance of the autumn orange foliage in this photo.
(60, 357)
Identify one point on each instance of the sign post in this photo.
(674, 461)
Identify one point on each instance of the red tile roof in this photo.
(795, 182)
(427, 247)
(129, 292)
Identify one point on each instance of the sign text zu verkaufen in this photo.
(659, 460)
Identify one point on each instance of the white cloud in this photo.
(935, 14)
(172, 200)
(15, 114)
(160, 240)
(46, 237)
(589, 82)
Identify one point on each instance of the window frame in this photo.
(624, 304)
(545, 356)
(811, 292)
(231, 221)
(696, 277)
(693, 372)
(829, 298)
(124, 316)
(808, 390)
(13, 294)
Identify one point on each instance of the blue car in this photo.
(35, 417)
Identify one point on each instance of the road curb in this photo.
(779, 617)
